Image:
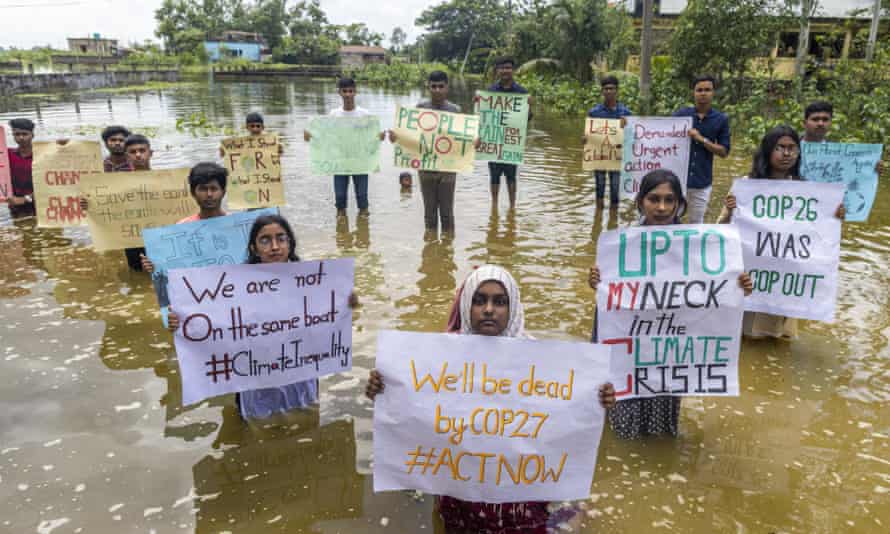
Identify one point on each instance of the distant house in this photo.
(93, 45)
(235, 44)
(359, 56)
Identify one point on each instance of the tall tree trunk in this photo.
(807, 8)
(467, 53)
(873, 32)
(646, 58)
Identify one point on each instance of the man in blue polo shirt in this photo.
(710, 135)
(611, 108)
(504, 71)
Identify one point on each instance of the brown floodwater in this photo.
(94, 437)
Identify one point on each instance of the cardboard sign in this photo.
(122, 205)
(344, 145)
(58, 170)
(254, 166)
(244, 327)
(488, 419)
(602, 150)
(851, 164)
(432, 140)
(670, 300)
(652, 143)
(503, 124)
(792, 245)
(5, 176)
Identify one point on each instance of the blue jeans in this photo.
(614, 181)
(341, 186)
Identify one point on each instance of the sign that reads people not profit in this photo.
(58, 170)
(503, 125)
(244, 327)
(254, 165)
(344, 145)
(851, 164)
(792, 244)
(652, 143)
(488, 419)
(669, 299)
(602, 148)
(122, 205)
(433, 140)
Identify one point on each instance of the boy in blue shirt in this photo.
(611, 108)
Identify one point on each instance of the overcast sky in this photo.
(25, 23)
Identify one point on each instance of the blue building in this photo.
(235, 44)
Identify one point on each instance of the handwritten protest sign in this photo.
(851, 164)
(602, 150)
(246, 327)
(652, 143)
(344, 145)
(214, 241)
(58, 170)
(488, 418)
(792, 245)
(254, 171)
(671, 301)
(503, 124)
(5, 176)
(121, 206)
(432, 140)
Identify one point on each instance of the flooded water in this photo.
(94, 438)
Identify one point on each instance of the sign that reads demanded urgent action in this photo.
(851, 164)
(792, 244)
(670, 300)
(488, 419)
(652, 143)
(433, 140)
(344, 145)
(244, 327)
(254, 166)
(602, 146)
(58, 170)
(503, 123)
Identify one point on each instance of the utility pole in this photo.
(646, 57)
(873, 32)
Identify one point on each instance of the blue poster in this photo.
(215, 241)
(852, 164)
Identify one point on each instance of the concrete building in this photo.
(236, 44)
(359, 56)
(93, 45)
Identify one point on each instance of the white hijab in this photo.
(485, 273)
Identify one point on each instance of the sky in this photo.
(26, 23)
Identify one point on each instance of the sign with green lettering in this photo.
(503, 122)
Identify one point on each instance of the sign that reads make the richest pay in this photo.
(792, 244)
(670, 300)
(503, 123)
(433, 140)
(488, 419)
(652, 143)
(244, 327)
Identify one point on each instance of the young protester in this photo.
(346, 89)
(114, 138)
(710, 136)
(659, 202)
(406, 181)
(778, 158)
(610, 108)
(139, 152)
(256, 126)
(272, 240)
(21, 202)
(488, 304)
(505, 84)
(817, 123)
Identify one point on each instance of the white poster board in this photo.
(652, 143)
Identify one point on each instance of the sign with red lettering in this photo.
(433, 140)
(652, 143)
(57, 173)
(5, 176)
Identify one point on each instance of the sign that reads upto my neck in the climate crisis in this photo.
(669, 298)
(652, 143)
(503, 123)
(433, 140)
(244, 327)
(490, 419)
(792, 244)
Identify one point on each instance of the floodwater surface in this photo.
(94, 437)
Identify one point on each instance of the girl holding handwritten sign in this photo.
(778, 158)
(660, 201)
(488, 305)
(272, 240)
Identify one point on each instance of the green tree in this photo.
(458, 27)
(579, 33)
(397, 39)
(267, 18)
(358, 33)
(312, 39)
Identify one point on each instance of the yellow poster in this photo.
(58, 170)
(121, 205)
(602, 149)
(433, 140)
(254, 165)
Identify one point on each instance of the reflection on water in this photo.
(93, 434)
